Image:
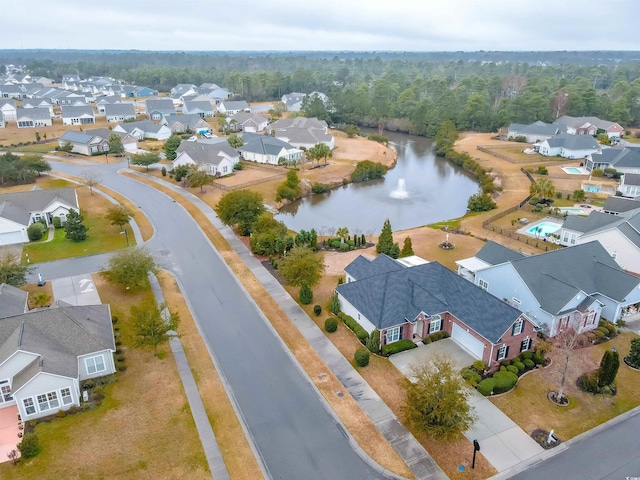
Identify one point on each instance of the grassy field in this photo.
(102, 237)
(527, 404)
(35, 148)
(143, 430)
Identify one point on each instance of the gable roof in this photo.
(73, 112)
(493, 253)
(123, 108)
(199, 105)
(235, 105)
(144, 125)
(13, 301)
(631, 178)
(573, 142)
(362, 267)
(265, 145)
(19, 204)
(392, 298)
(580, 121)
(618, 157)
(243, 117)
(304, 135)
(33, 113)
(621, 204)
(162, 105)
(536, 128)
(556, 277)
(206, 153)
(298, 122)
(58, 335)
(594, 222)
(190, 120)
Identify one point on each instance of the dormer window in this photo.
(517, 328)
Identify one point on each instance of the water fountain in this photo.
(401, 190)
(446, 245)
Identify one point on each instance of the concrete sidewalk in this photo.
(409, 449)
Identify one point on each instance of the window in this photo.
(5, 391)
(47, 401)
(225, 169)
(502, 352)
(392, 334)
(94, 364)
(525, 344)
(29, 407)
(435, 325)
(518, 326)
(65, 394)
(53, 399)
(483, 284)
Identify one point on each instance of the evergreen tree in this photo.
(608, 368)
(334, 306)
(633, 358)
(385, 240)
(171, 145)
(74, 228)
(115, 144)
(407, 248)
(373, 341)
(306, 295)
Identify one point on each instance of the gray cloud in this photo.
(328, 25)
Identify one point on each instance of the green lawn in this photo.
(102, 238)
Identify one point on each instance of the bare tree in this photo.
(331, 231)
(560, 101)
(322, 231)
(512, 85)
(566, 341)
(357, 231)
(90, 179)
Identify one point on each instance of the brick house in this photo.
(412, 302)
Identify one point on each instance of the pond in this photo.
(421, 189)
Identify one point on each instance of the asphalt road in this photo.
(611, 454)
(295, 435)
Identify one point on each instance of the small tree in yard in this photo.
(171, 145)
(130, 268)
(12, 271)
(578, 195)
(407, 248)
(74, 228)
(198, 178)
(608, 368)
(115, 145)
(90, 180)
(373, 341)
(385, 240)
(301, 267)
(154, 325)
(235, 141)
(66, 147)
(242, 208)
(566, 341)
(306, 295)
(145, 159)
(118, 215)
(29, 446)
(633, 358)
(437, 401)
(334, 305)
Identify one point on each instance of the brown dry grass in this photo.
(236, 451)
(356, 421)
(527, 404)
(14, 135)
(33, 289)
(144, 429)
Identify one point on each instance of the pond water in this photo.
(421, 189)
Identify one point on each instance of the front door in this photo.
(417, 329)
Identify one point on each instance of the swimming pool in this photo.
(574, 170)
(542, 229)
(573, 211)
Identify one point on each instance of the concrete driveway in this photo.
(76, 290)
(447, 347)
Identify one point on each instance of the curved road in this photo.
(292, 430)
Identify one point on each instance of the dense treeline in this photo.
(414, 95)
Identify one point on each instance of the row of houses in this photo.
(540, 131)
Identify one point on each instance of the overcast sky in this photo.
(407, 25)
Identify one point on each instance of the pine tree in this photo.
(74, 228)
(385, 240)
(608, 368)
(407, 248)
(306, 295)
(334, 306)
(373, 341)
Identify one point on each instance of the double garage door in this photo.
(10, 238)
(467, 341)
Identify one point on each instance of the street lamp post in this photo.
(126, 235)
(128, 161)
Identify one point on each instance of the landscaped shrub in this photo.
(519, 366)
(528, 364)
(360, 332)
(164, 171)
(29, 446)
(479, 365)
(611, 328)
(505, 363)
(373, 342)
(589, 382)
(472, 377)
(598, 333)
(604, 330)
(320, 187)
(36, 231)
(362, 357)
(396, 347)
(633, 358)
(306, 295)
(526, 355)
(434, 337)
(57, 223)
(317, 310)
(485, 387)
(504, 381)
(513, 369)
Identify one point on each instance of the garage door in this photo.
(468, 341)
(10, 238)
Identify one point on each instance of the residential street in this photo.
(294, 433)
(612, 453)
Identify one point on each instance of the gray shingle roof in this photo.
(536, 128)
(618, 157)
(304, 135)
(162, 105)
(235, 105)
(632, 178)
(573, 142)
(362, 267)
(594, 221)
(631, 233)
(144, 125)
(13, 301)
(13, 212)
(198, 105)
(190, 120)
(33, 114)
(36, 200)
(119, 109)
(579, 121)
(298, 122)
(105, 133)
(74, 112)
(206, 153)
(392, 298)
(493, 253)
(265, 145)
(554, 278)
(77, 137)
(620, 204)
(58, 335)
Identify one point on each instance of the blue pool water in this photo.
(575, 211)
(572, 170)
(545, 228)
